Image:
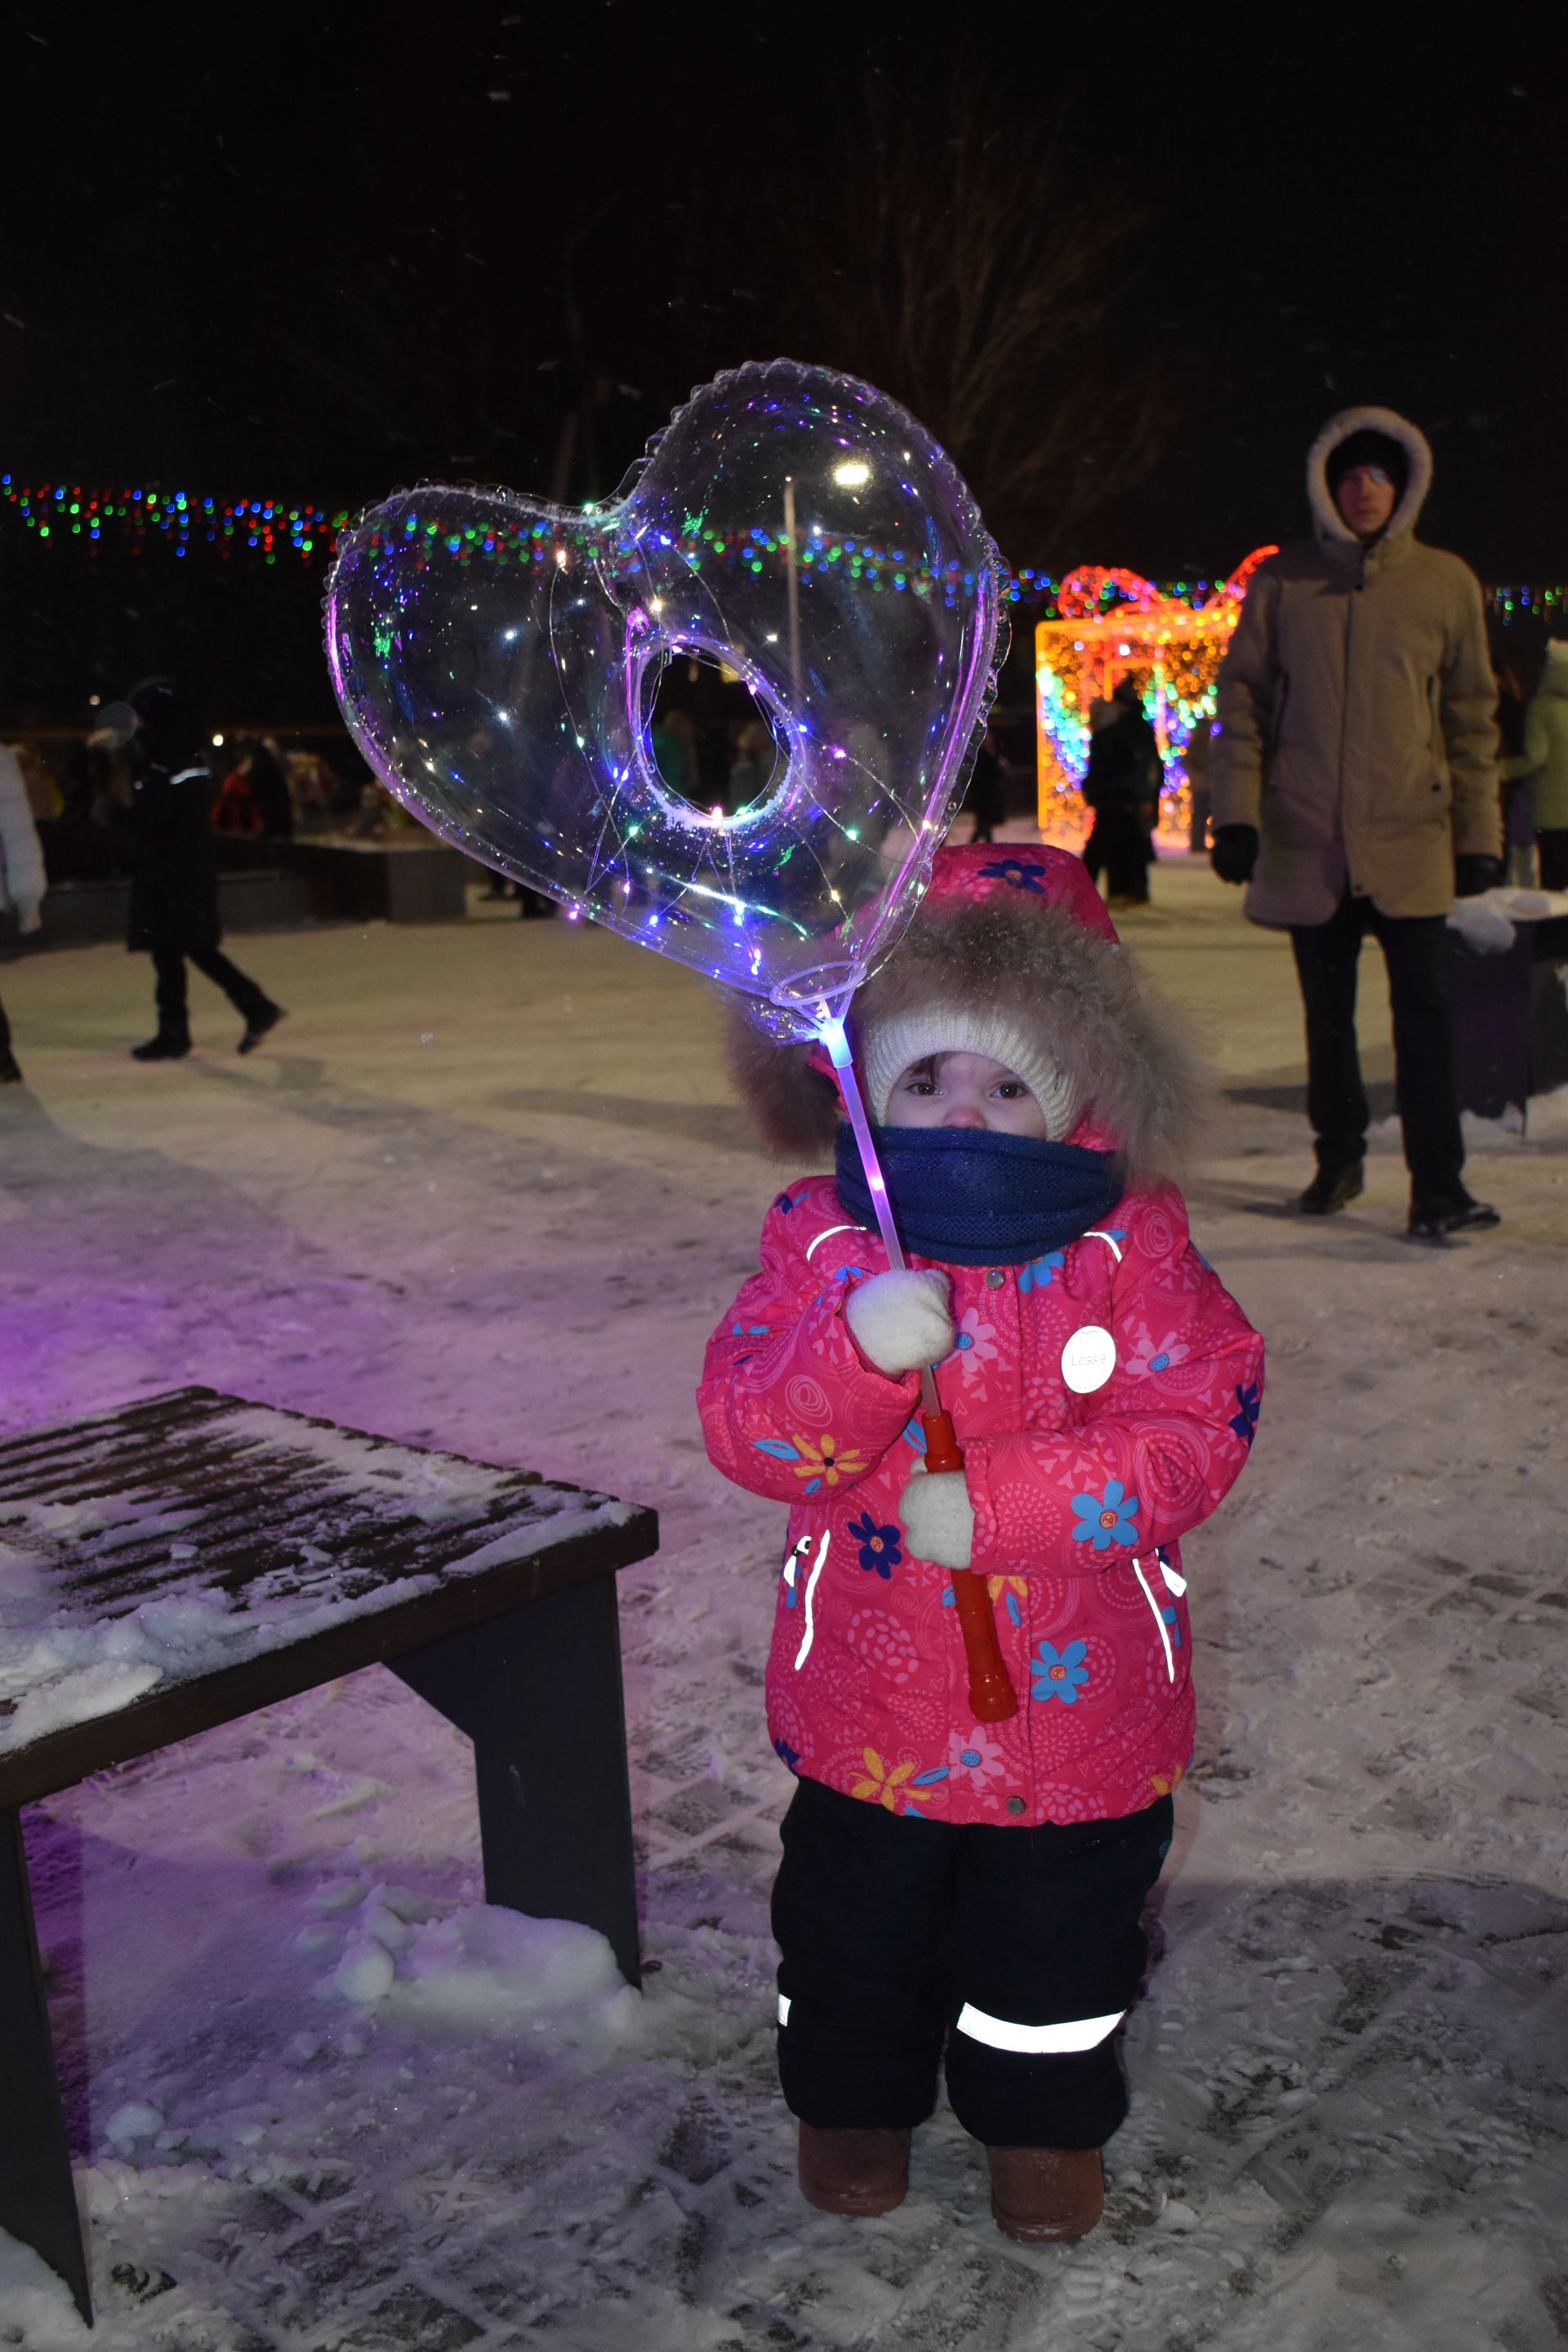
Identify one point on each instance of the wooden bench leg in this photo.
(38, 2194)
(539, 1694)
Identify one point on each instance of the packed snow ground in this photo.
(486, 1189)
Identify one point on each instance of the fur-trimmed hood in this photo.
(1025, 933)
(1328, 523)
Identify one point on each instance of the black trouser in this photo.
(892, 1930)
(169, 966)
(1552, 844)
(4, 1034)
(1415, 950)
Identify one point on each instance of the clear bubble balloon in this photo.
(497, 661)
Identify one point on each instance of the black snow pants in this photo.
(1021, 1947)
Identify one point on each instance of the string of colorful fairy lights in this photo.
(274, 528)
(70, 510)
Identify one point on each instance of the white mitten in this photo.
(939, 1517)
(899, 1320)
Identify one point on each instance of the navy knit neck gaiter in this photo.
(971, 1196)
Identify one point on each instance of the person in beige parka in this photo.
(1353, 787)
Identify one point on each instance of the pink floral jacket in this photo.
(1084, 1469)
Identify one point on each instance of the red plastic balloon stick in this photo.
(991, 1694)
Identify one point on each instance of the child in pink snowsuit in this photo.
(946, 1883)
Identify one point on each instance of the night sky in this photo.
(320, 251)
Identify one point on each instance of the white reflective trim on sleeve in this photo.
(1037, 2041)
(1108, 1239)
(1164, 1628)
(804, 1652)
(827, 1236)
(783, 2008)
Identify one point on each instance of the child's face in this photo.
(965, 1091)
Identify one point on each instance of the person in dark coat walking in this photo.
(983, 798)
(173, 880)
(1121, 786)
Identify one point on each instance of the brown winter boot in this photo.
(853, 2171)
(1043, 2194)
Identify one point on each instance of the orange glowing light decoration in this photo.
(1170, 646)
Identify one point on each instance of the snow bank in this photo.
(35, 2307)
(493, 1971)
(482, 1969)
(482, 1972)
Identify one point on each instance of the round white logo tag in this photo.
(1089, 1359)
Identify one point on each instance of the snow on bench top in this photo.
(134, 1555)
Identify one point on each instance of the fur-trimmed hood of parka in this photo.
(1328, 523)
(1023, 934)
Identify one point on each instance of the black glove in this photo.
(1234, 852)
(1475, 872)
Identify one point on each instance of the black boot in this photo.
(1434, 1215)
(1332, 1189)
(166, 1047)
(264, 1016)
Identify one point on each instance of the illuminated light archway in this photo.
(1169, 647)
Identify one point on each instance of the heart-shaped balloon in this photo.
(495, 660)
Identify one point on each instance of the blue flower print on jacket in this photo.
(1245, 1422)
(1112, 1519)
(1059, 1674)
(1042, 1272)
(1024, 873)
(881, 1548)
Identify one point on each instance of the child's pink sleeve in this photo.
(788, 1407)
(1154, 1450)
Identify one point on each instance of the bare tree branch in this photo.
(972, 268)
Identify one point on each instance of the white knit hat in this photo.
(889, 1048)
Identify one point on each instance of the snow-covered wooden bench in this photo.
(182, 1561)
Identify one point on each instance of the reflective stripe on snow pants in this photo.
(1061, 2041)
(892, 1930)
